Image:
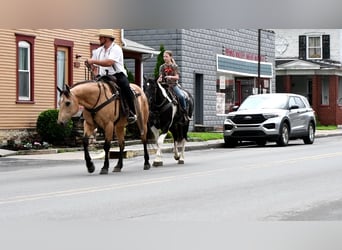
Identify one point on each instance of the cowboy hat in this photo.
(106, 33)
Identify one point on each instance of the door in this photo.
(244, 88)
(62, 74)
(198, 99)
(309, 87)
(297, 116)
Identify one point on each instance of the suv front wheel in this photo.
(284, 135)
(309, 139)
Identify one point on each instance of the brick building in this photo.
(308, 62)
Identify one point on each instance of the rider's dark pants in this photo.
(126, 91)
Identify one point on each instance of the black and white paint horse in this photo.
(165, 115)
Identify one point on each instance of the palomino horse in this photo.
(165, 116)
(103, 108)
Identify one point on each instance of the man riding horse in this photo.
(108, 61)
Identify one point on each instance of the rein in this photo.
(164, 105)
(96, 108)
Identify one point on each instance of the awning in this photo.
(139, 48)
(243, 67)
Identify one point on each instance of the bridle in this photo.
(158, 107)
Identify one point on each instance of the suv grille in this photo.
(248, 119)
(248, 133)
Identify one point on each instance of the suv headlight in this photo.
(269, 116)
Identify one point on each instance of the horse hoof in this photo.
(104, 171)
(147, 167)
(181, 162)
(117, 169)
(176, 158)
(91, 168)
(157, 163)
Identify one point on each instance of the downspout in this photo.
(123, 38)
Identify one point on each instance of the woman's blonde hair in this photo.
(169, 52)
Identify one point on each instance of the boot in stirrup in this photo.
(132, 118)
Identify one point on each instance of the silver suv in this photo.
(277, 117)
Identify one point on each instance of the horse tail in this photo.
(191, 105)
(142, 110)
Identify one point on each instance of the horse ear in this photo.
(59, 90)
(145, 78)
(67, 88)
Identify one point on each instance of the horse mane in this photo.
(163, 90)
(111, 84)
(82, 82)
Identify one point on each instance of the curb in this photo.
(134, 148)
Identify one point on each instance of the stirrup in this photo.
(132, 118)
(186, 117)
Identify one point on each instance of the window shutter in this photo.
(302, 47)
(326, 46)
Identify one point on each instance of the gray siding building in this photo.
(219, 67)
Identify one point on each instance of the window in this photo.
(314, 47)
(325, 91)
(299, 102)
(24, 71)
(24, 68)
(225, 93)
(339, 91)
(292, 102)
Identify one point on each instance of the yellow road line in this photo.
(71, 192)
(78, 191)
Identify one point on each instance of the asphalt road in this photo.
(249, 183)
(243, 198)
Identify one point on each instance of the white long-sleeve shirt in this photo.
(114, 52)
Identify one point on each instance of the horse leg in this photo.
(176, 155)
(158, 161)
(89, 162)
(181, 155)
(120, 133)
(119, 164)
(147, 164)
(142, 125)
(106, 147)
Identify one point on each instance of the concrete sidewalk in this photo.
(130, 151)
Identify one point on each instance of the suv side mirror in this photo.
(235, 108)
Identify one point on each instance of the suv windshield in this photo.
(264, 102)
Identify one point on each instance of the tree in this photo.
(130, 75)
(160, 61)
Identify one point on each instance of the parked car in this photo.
(275, 117)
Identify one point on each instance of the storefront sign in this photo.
(244, 55)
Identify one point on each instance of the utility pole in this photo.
(259, 55)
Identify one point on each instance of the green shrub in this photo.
(160, 60)
(130, 76)
(49, 130)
